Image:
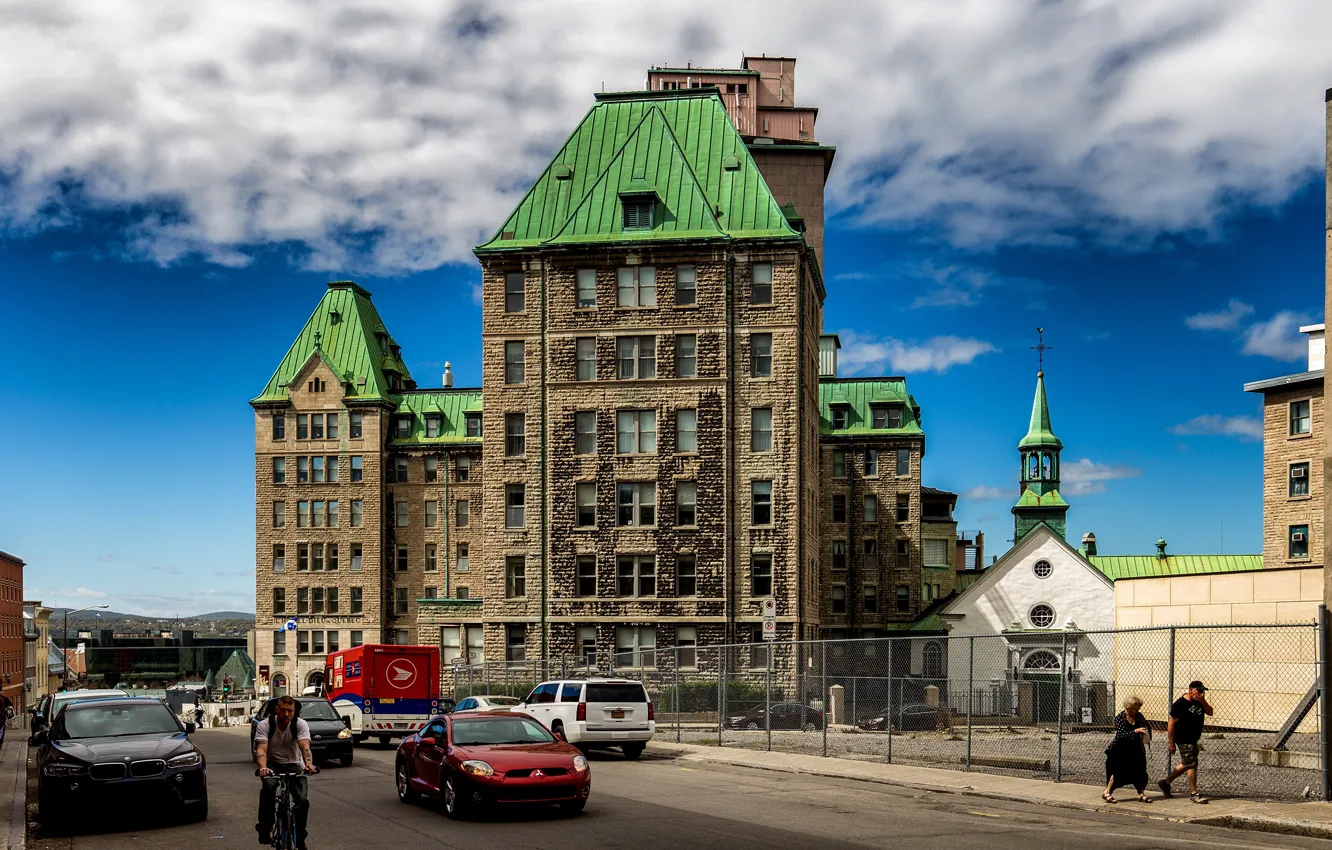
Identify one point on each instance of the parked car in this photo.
(330, 734)
(121, 754)
(785, 715)
(491, 758)
(485, 703)
(916, 717)
(50, 705)
(594, 713)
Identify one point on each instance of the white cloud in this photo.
(985, 493)
(1228, 319)
(1279, 337)
(69, 593)
(1086, 476)
(1248, 428)
(392, 137)
(865, 353)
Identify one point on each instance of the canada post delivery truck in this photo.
(386, 691)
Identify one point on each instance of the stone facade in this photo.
(1290, 502)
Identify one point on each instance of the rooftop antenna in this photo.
(1040, 348)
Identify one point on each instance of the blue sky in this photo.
(166, 225)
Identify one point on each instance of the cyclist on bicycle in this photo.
(284, 740)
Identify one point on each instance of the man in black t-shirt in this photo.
(1187, 715)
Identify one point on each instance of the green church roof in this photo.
(451, 404)
(672, 144)
(1115, 567)
(1032, 499)
(348, 331)
(1039, 434)
(858, 395)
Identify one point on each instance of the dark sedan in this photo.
(491, 758)
(128, 754)
(917, 717)
(784, 715)
(330, 735)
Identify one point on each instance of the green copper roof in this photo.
(349, 330)
(1032, 499)
(451, 404)
(858, 395)
(1115, 567)
(1040, 434)
(672, 143)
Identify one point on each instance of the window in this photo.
(462, 468)
(317, 426)
(586, 575)
(637, 504)
(280, 642)
(515, 290)
(317, 470)
(585, 432)
(686, 430)
(904, 461)
(302, 514)
(636, 431)
(431, 469)
(871, 558)
(686, 286)
(400, 469)
(587, 288)
(585, 498)
(635, 646)
(686, 647)
(302, 600)
(760, 355)
(870, 599)
(839, 555)
(1041, 616)
(357, 469)
(585, 353)
(686, 503)
(279, 470)
(401, 637)
(871, 462)
(432, 560)
(586, 638)
(839, 463)
(839, 507)
(514, 365)
(332, 427)
(317, 600)
(332, 560)
(635, 575)
(760, 494)
(302, 426)
(1298, 542)
(760, 429)
(400, 602)
(637, 213)
(1299, 417)
(1298, 480)
(354, 425)
(515, 434)
(357, 513)
(400, 514)
(302, 470)
(903, 599)
(472, 423)
(331, 464)
(841, 417)
(761, 276)
(839, 599)
(403, 559)
(903, 554)
(279, 557)
(871, 508)
(686, 356)
(302, 643)
(403, 424)
(460, 513)
(637, 356)
(356, 561)
(279, 426)
(760, 575)
(432, 425)
(885, 416)
(686, 576)
(636, 286)
(515, 506)
(279, 514)
(279, 600)
(935, 553)
(332, 641)
(430, 592)
(356, 638)
(903, 507)
(464, 562)
(515, 576)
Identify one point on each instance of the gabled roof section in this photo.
(451, 404)
(346, 331)
(860, 395)
(673, 141)
(1031, 499)
(1115, 567)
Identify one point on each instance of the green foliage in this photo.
(741, 695)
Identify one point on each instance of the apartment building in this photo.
(11, 629)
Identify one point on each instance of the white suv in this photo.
(594, 712)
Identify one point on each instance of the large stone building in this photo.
(11, 629)
(664, 442)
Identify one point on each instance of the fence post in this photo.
(823, 674)
(721, 687)
(889, 719)
(1324, 706)
(1064, 678)
(676, 674)
(971, 672)
(767, 702)
(1170, 691)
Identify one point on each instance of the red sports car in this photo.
(480, 758)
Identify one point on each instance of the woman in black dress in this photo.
(1126, 757)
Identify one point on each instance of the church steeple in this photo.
(1038, 493)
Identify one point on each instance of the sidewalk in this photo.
(13, 789)
(1308, 819)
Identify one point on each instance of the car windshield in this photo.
(111, 721)
(318, 711)
(77, 696)
(603, 692)
(499, 730)
(503, 701)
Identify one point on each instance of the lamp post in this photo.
(66, 630)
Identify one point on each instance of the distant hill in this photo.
(214, 624)
(224, 615)
(59, 613)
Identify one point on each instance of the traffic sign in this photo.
(769, 629)
(769, 608)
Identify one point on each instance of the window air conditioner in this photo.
(1297, 537)
(1298, 472)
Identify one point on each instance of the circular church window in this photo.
(1042, 568)
(1042, 616)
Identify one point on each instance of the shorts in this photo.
(1188, 755)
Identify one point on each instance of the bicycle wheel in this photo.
(288, 828)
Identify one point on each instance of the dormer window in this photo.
(432, 423)
(841, 417)
(638, 213)
(472, 422)
(383, 344)
(886, 416)
(404, 427)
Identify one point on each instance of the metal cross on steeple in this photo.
(1040, 348)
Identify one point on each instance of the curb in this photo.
(16, 749)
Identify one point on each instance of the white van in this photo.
(594, 712)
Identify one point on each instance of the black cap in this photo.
(1195, 685)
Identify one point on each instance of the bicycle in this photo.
(284, 822)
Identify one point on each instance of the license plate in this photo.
(617, 714)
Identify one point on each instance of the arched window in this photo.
(1041, 660)
(1042, 616)
(1042, 568)
(1033, 466)
(1046, 467)
(932, 657)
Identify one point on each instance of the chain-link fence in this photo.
(1039, 704)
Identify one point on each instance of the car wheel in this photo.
(402, 777)
(455, 806)
(633, 751)
(752, 726)
(573, 807)
(346, 760)
(384, 740)
(810, 726)
(557, 727)
(46, 816)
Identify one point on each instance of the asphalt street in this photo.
(653, 803)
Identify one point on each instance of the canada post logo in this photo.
(401, 673)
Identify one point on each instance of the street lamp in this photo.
(66, 647)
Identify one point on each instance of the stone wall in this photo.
(1280, 450)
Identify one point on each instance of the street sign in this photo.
(769, 629)
(769, 608)
(770, 619)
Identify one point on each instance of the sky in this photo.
(1142, 180)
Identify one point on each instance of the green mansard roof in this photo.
(351, 340)
(679, 146)
(451, 404)
(859, 394)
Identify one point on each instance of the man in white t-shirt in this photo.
(283, 741)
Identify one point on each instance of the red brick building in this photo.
(11, 629)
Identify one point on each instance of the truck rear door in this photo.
(617, 706)
(399, 676)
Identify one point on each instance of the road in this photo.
(655, 803)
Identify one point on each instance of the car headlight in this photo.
(477, 768)
(185, 760)
(580, 764)
(62, 768)
(876, 720)
(344, 734)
